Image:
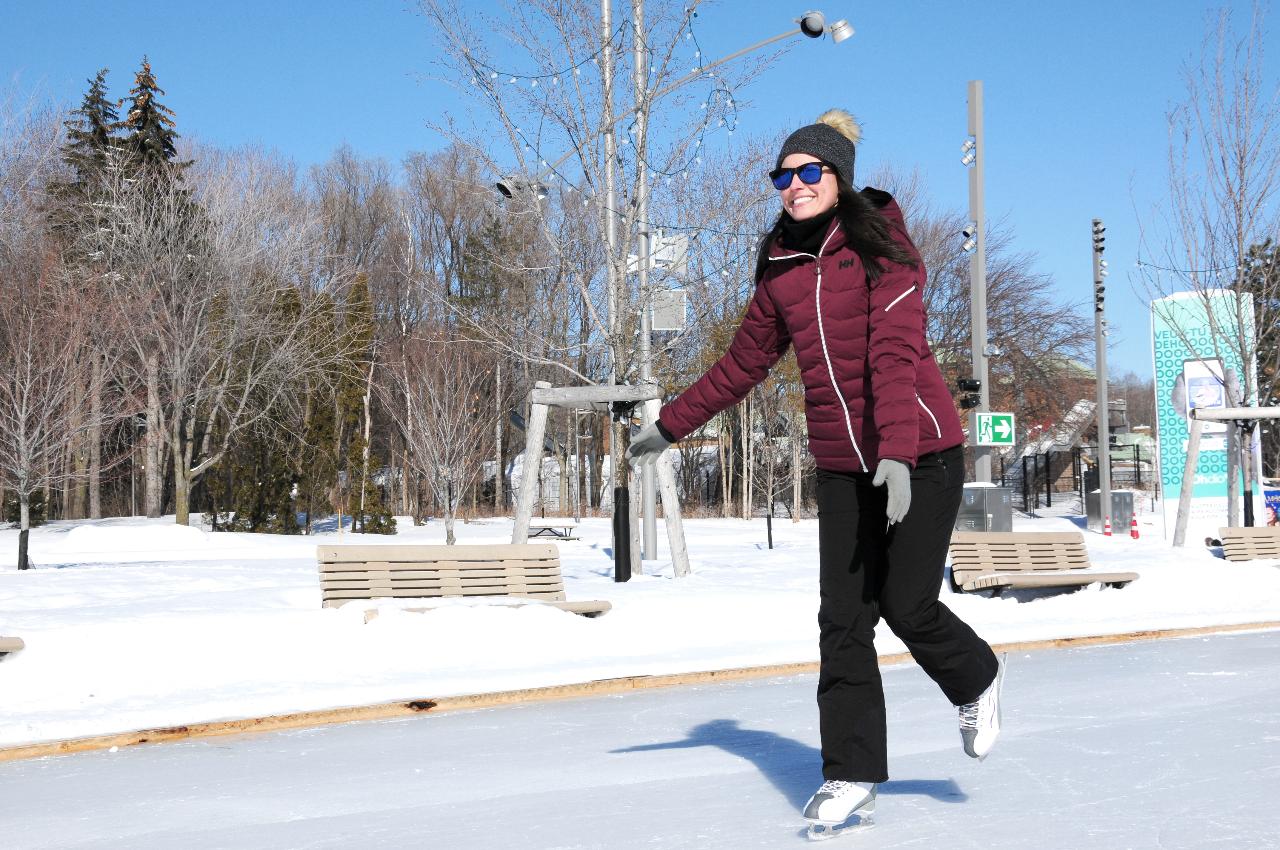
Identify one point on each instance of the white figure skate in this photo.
(835, 803)
(980, 719)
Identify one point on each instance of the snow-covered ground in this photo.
(134, 624)
(1169, 744)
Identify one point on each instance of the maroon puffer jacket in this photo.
(872, 389)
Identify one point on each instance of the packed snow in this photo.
(133, 624)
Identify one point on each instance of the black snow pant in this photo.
(869, 572)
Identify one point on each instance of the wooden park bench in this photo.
(1247, 544)
(521, 571)
(995, 560)
(10, 644)
(560, 529)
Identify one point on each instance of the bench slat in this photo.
(337, 553)
(1028, 580)
(426, 593)
(586, 609)
(499, 567)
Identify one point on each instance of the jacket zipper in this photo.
(900, 297)
(822, 335)
(936, 426)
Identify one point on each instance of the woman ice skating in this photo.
(839, 278)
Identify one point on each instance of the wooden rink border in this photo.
(600, 687)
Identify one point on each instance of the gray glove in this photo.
(897, 475)
(647, 446)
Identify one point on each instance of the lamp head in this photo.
(813, 24)
(841, 30)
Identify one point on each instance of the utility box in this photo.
(1121, 510)
(985, 508)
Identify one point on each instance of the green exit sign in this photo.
(991, 429)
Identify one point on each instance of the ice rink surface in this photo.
(1160, 744)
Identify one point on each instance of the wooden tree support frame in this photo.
(596, 399)
(1199, 416)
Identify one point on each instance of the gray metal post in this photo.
(617, 465)
(648, 472)
(978, 276)
(1103, 408)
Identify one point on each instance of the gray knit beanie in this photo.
(831, 140)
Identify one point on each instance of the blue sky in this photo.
(1076, 96)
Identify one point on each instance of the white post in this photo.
(670, 503)
(1188, 482)
(535, 431)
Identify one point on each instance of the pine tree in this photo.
(90, 146)
(151, 137)
(91, 132)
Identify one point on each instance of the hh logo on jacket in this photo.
(844, 264)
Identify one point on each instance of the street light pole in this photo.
(976, 238)
(1100, 337)
(648, 472)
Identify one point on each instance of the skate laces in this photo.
(836, 787)
(971, 713)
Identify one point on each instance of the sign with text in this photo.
(992, 429)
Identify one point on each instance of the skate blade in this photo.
(826, 831)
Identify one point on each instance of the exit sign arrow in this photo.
(991, 429)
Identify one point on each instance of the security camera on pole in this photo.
(1100, 333)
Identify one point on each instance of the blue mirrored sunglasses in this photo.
(809, 173)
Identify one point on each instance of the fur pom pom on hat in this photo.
(832, 139)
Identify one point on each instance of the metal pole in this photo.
(1048, 479)
(648, 472)
(617, 466)
(1103, 408)
(978, 275)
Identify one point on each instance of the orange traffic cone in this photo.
(1106, 528)
(1133, 526)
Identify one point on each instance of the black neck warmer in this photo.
(807, 235)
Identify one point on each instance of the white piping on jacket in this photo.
(900, 297)
(822, 335)
(936, 426)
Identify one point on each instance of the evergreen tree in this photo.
(88, 150)
(316, 455)
(150, 135)
(37, 511)
(91, 132)
(252, 489)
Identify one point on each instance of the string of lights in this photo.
(1145, 265)
(494, 73)
(718, 105)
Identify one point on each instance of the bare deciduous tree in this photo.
(441, 396)
(213, 289)
(1223, 180)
